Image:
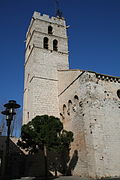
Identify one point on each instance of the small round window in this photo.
(118, 93)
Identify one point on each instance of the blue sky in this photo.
(94, 38)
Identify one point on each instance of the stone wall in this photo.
(72, 118)
(41, 65)
(90, 108)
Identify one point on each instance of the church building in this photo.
(87, 103)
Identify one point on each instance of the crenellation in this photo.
(108, 78)
(36, 14)
(52, 20)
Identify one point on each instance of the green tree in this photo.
(45, 133)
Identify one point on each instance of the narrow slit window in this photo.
(28, 115)
(50, 30)
(45, 42)
(64, 109)
(69, 107)
(76, 101)
(55, 45)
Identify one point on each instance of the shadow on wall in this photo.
(61, 164)
(32, 165)
(72, 163)
(15, 161)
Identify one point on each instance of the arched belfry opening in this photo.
(55, 45)
(45, 42)
(50, 30)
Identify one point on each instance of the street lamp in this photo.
(9, 112)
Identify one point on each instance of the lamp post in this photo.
(9, 112)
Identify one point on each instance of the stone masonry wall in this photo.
(72, 118)
(94, 120)
(41, 65)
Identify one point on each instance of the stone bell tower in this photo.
(46, 52)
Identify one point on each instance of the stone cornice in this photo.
(39, 77)
(34, 46)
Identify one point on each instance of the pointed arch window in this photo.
(69, 107)
(50, 30)
(55, 45)
(64, 109)
(76, 98)
(45, 42)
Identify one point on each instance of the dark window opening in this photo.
(69, 107)
(29, 47)
(69, 102)
(28, 115)
(50, 30)
(64, 109)
(76, 97)
(55, 45)
(118, 93)
(45, 42)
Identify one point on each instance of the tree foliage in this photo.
(45, 131)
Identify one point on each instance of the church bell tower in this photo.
(46, 53)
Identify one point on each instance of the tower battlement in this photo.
(39, 21)
(45, 17)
